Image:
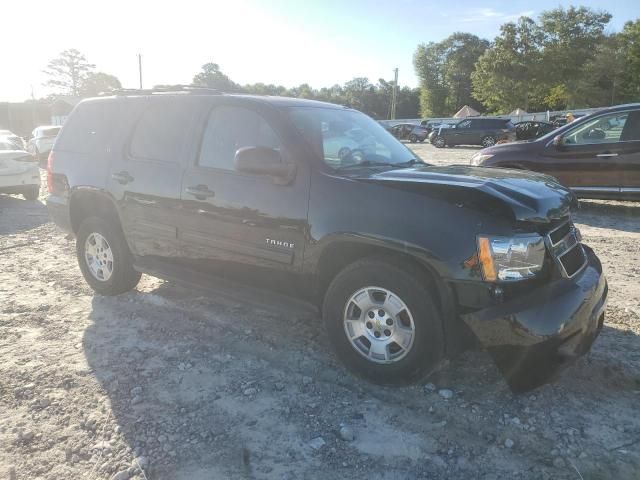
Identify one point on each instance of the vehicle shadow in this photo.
(617, 215)
(19, 215)
(465, 147)
(197, 385)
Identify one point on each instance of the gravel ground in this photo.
(167, 383)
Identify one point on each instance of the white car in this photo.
(42, 140)
(19, 172)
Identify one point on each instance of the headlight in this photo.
(509, 259)
(478, 158)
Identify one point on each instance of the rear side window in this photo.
(88, 127)
(161, 132)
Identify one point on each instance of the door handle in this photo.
(607, 155)
(201, 192)
(122, 177)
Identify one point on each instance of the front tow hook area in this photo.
(533, 338)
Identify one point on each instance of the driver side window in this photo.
(230, 128)
(465, 124)
(612, 128)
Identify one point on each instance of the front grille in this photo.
(559, 233)
(565, 248)
(573, 260)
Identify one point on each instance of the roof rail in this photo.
(194, 89)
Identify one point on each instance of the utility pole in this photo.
(140, 69)
(394, 94)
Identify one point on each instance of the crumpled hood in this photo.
(531, 196)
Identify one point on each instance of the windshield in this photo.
(348, 138)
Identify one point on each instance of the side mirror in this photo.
(557, 141)
(264, 161)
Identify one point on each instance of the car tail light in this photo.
(50, 172)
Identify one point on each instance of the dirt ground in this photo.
(168, 383)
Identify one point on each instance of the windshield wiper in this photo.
(408, 163)
(367, 163)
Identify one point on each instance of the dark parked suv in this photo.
(597, 156)
(406, 261)
(474, 131)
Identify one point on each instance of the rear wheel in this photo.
(488, 141)
(439, 141)
(32, 192)
(104, 257)
(383, 322)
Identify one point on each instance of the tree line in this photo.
(563, 60)
(358, 93)
(71, 74)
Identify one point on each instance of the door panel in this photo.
(460, 133)
(146, 177)
(245, 219)
(600, 154)
(582, 166)
(250, 219)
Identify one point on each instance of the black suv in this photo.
(474, 131)
(406, 261)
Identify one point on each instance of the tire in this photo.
(488, 141)
(118, 274)
(367, 279)
(413, 138)
(32, 192)
(439, 141)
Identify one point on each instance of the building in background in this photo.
(22, 118)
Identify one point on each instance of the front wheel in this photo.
(104, 257)
(439, 142)
(383, 323)
(488, 141)
(413, 138)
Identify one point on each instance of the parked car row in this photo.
(19, 160)
(474, 131)
(409, 131)
(471, 131)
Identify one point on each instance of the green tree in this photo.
(601, 82)
(211, 76)
(444, 69)
(629, 42)
(571, 39)
(263, 89)
(95, 83)
(507, 75)
(68, 71)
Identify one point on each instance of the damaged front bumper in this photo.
(532, 338)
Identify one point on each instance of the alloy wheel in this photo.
(99, 257)
(379, 325)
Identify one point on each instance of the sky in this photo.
(285, 42)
